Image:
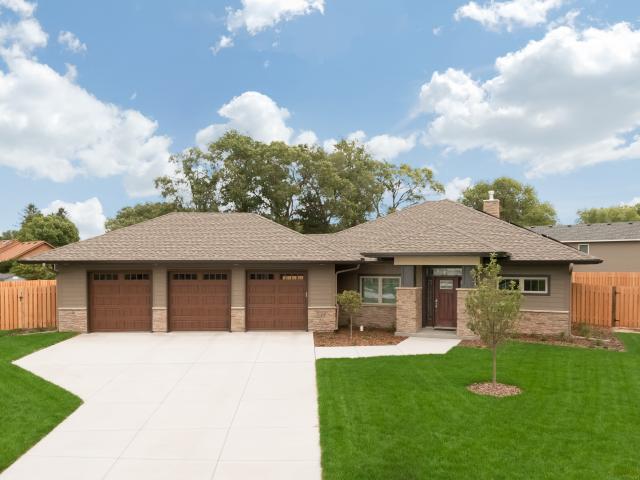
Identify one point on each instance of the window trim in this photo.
(522, 277)
(584, 244)
(379, 277)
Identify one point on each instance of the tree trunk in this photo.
(495, 350)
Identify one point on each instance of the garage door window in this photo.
(105, 276)
(214, 276)
(291, 276)
(261, 276)
(185, 276)
(136, 276)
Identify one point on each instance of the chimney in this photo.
(491, 206)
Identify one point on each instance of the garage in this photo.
(199, 300)
(276, 301)
(120, 301)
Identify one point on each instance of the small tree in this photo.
(493, 307)
(350, 302)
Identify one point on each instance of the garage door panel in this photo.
(199, 300)
(276, 301)
(120, 301)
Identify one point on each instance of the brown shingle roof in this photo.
(446, 227)
(12, 249)
(224, 237)
(592, 232)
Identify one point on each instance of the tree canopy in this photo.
(300, 186)
(55, 228)
(619, 213)
(138, 213)
(519, 202)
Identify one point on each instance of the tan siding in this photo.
(159, 283)
(322, 286)
(617, 256)
(560, 286)
(238, 280)
(349, 280)
(72, 287)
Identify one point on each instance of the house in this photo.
(240, 271)
(617, 244)
(15, 250)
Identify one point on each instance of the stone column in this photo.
(408, 309)
(322, 319)
(463, 318)
(159, 319)
(238, 322)
(72, 320)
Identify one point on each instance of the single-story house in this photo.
(617, 244)
(240, 271)
(15, 250)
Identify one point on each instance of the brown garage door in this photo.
(276, 301)
(199, 300)
(119, 301)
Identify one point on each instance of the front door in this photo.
(446, 308)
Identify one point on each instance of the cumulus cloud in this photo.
(71, 42)
(224, 42)
(88, 215)
(631, 203)
(389, 147)
(453, 190)
(566, 101)
(52, 128)
(306, 137)
(508, 14)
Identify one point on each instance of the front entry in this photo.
(446, 305)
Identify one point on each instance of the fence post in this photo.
(613, 306)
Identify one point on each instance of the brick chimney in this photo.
(491, 206)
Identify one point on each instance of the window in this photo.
(583, 247)
(379, 289)
(261, 276)
(292, 276)
(214, 276)
(136, 276)
(185, 276)
(105, 276)
(445, 284)
(530, 285)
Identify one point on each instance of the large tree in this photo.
(619, 213)
(519, 202)
(138, 213)
(55, 228)
(405, 185)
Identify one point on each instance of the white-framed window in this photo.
(379, 289)
(583, 247)
(527, 284)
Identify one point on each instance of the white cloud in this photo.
(560, 103)
(71, 42)
(329, 145)
(224, 42)
(306, 137)
(437, 31)
(631, 203)
(508, 14)
(388, 147)
(52, 128)
(72, 72)
(453, 189)
(21, 7)
(88, 215)
(257, 15)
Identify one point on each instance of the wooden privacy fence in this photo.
(605, 305)
(28, 304)
(614, 279)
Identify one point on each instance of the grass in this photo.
(412, 417)
(29, 406)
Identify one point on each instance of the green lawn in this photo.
(412, 418)
(29, 406)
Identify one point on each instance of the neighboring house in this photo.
(617, 244)
(15, 250)
(240, 271)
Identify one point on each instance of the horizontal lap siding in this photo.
(72, 287)
(616, 256)
(560, 286)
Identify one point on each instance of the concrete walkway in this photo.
(410, 346)
(180, 406)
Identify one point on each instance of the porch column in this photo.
(159, 321)
(408, 309)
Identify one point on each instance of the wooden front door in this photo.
(119, 301)
(276, 301)
(446, 308)
(199, 300)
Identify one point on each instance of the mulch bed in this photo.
(369, 337)
(497, 390)
(604, 341)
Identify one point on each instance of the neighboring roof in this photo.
(592, 232)
(449, 228)
(202, 237)
(13, 249)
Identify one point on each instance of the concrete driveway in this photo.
(180, 406)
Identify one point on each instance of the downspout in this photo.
(338, 272)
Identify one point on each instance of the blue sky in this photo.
(546, 91)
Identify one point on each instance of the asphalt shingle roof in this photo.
(589, 232)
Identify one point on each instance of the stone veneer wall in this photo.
(373, 316)
(322, 319)
(536, 322)
(238, 323)
(409, 309)
(159, 321)
(72, 320)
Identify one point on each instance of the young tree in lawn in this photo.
(493, 307)
(350, 302)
